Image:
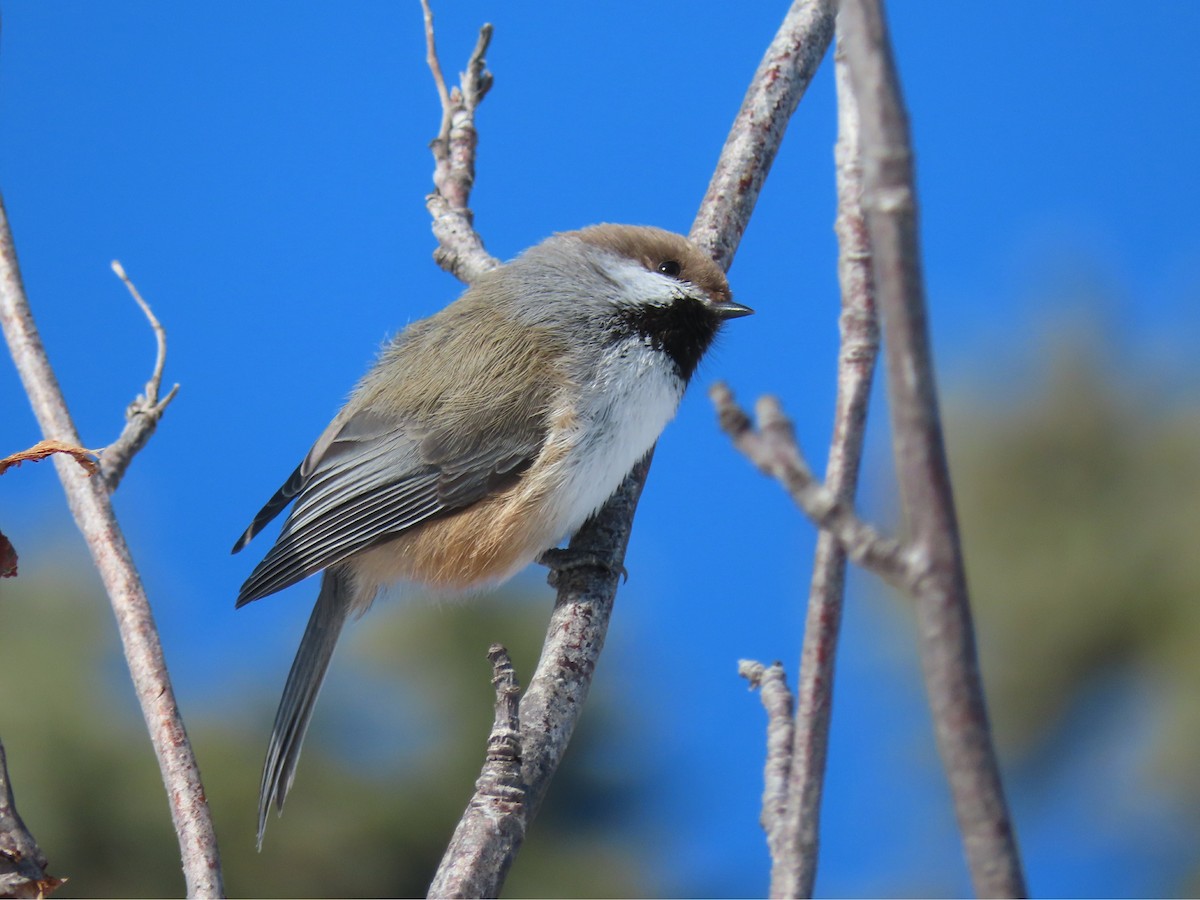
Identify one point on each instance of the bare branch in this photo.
(554, 701)
(483, 847)
(22, 863)
(946, 636)
(142, 415)
(92, 509)
(856, 368)
(782, 77)
(774, 451)
(460, 249)
(777, 700)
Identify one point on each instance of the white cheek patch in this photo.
(640, 287)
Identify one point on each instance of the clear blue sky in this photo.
(260, 169)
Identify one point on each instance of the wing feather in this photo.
(373, 478)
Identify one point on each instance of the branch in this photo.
(553, 703)
(92, 509)
(22, 863)
(818, 655)
(460, 249)
(774, 451)
(947, 642)
(782, 77)
(777, 700)
(142, 415)
(482, 844)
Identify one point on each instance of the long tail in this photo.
(334, 604)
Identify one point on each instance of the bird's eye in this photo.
(670, 268)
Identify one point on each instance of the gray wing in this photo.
(369, 479)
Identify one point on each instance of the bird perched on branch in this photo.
(486, 434)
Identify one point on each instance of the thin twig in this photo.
(435, 67)
(460, 249)
(818, 656)
(773, 449)
(142, 415)
(496, 806)
(945, 633)
(554, 700)
(22, 863)
(92, 508)
(778, 702)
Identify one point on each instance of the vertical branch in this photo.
(777, 700)
(460, 249)
(945, 632)
(93, 513)
(856, 367)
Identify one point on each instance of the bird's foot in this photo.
(565, 559)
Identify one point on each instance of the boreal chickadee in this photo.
(485, 434)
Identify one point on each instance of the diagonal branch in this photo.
(92, 509)
(554, 700)
(773, 449)
(779, 83)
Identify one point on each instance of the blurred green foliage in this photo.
(1078, 486)
(88, 786)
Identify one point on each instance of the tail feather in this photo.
(300, 694)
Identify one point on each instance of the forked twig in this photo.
(142, 415)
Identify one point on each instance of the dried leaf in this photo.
(42, 449)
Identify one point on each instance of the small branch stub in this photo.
(777, 700)
(484, 843)
(142, 415)
(22, 863)
(774, 451)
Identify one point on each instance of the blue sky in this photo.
(260, 169)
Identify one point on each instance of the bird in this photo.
(484, 435)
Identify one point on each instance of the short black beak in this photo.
(728, 309)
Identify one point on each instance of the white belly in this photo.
(622, 415)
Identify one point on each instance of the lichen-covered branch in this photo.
(92, 509)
